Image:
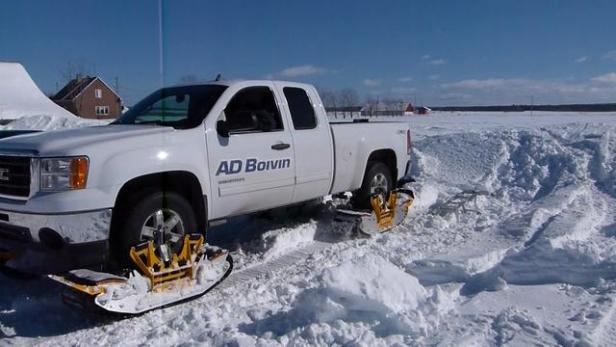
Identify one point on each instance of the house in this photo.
(89, 97)
(410, 110)
(422, 110)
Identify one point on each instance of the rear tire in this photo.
(140, 217)
(376, 180)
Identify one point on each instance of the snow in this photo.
(47, 122)
(23, 103)
(511, 241)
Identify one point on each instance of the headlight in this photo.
(59, 174)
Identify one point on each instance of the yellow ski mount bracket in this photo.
(385, 211)
(159, 271)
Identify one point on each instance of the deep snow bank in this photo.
(526, 206)
(22, 101)
(547, 188)
(366, 293)
(20, 96)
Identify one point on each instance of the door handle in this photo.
(280, 146)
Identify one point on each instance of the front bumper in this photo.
(41, 244)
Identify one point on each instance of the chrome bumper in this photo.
(79, 227)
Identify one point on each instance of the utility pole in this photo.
(116, 85)
(532, 103)
(161, 48)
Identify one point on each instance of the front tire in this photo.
(377, 180)
(163, 217)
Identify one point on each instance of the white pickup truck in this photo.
(179, 159)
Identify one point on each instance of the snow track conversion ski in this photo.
(162, 278)
(386, 212)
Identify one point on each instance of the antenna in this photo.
(218, 77)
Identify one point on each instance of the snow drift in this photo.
(20, 96)
(22, 101)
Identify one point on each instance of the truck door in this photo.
(254, 167)
(312, 142)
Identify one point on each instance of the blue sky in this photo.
(438, 52)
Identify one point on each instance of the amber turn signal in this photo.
(79, 173)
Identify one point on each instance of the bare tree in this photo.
(347, 97)
(339, 98)
(74, 69)
(328, 97)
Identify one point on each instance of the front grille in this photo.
(13, 232)
(14, 176)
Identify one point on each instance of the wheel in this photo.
(377, 180)
(162, 217)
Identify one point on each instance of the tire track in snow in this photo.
(605, 333)
(274, 265)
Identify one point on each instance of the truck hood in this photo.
(70, 141)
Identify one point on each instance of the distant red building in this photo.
(409, 110)
(89, 97)
(422, 110)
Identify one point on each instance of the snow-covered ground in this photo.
(512, 241)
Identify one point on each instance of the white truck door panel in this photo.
(312, 141)
(252, 169)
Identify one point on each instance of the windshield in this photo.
(180, 107)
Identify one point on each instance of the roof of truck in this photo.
(240, 81)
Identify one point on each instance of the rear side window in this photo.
(301, 109)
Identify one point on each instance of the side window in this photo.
(251, 110)
(301, 109)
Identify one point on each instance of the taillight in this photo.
(409, 143)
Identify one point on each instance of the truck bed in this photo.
(354, 142)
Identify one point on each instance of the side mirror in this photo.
(222, 128)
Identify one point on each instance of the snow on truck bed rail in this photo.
(512, 241)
